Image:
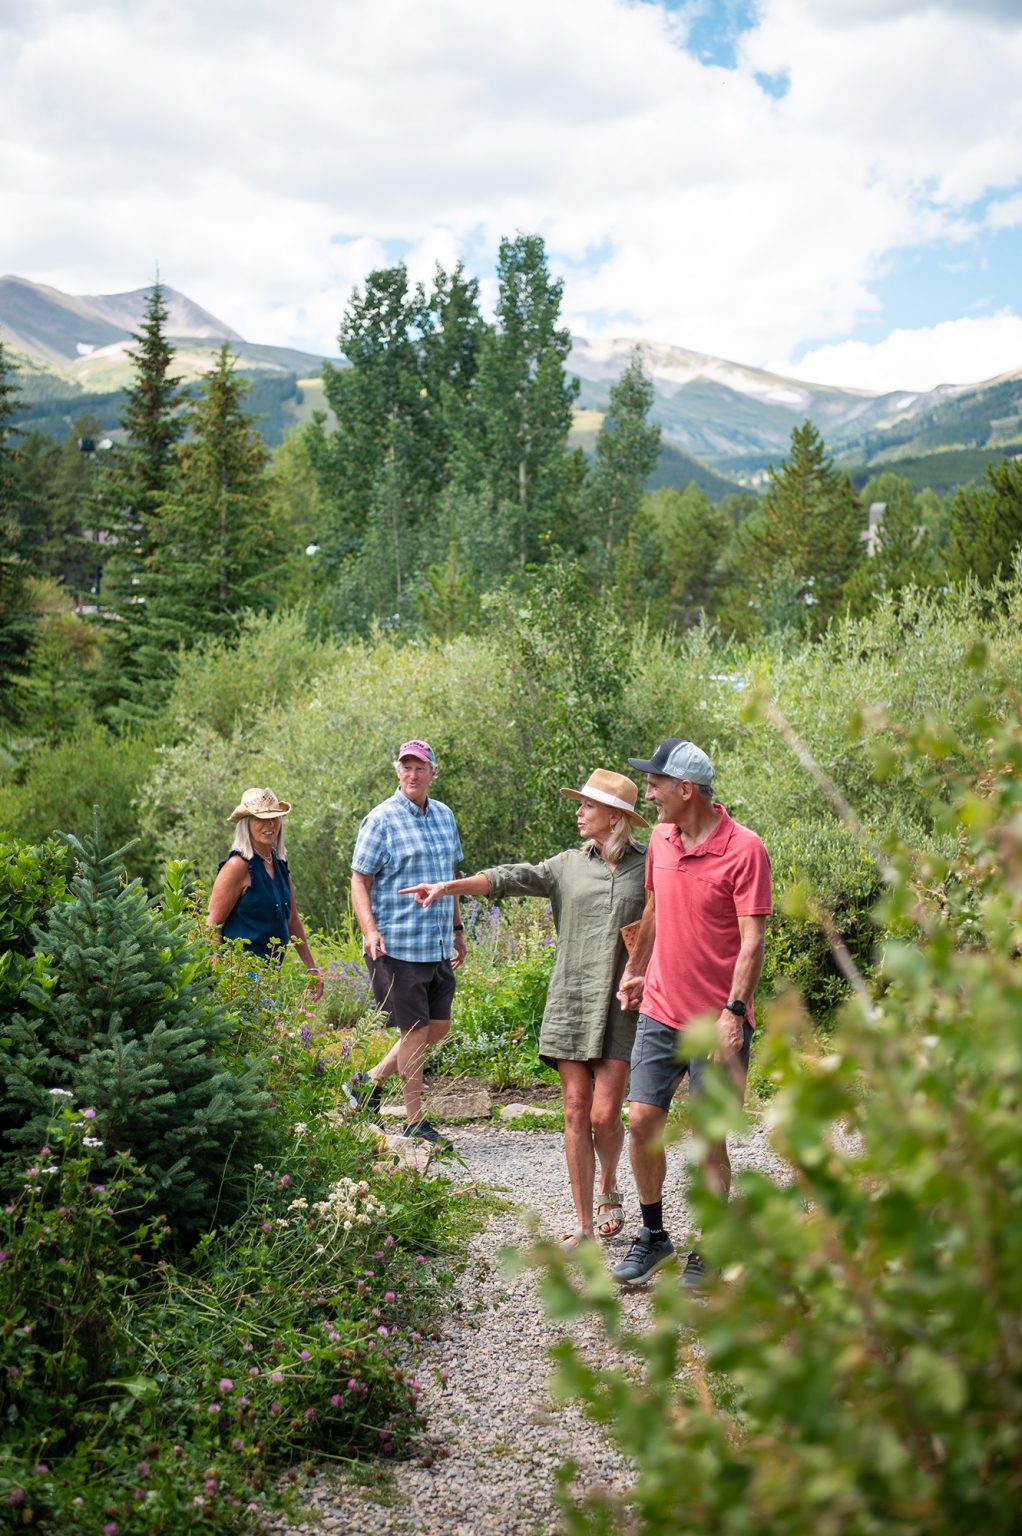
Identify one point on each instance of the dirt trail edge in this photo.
(493, 1439)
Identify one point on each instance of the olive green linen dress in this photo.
(583, 1020)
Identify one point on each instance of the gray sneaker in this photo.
(423, 1131)
(643, 1258)
(696, 1275)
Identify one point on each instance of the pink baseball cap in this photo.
(417, 749)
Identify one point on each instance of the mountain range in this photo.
(722, 422)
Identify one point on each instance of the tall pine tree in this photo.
(627, 449)
(797, 550)
(986, 523)
(17, 620)
(135, 487)
(213, 547)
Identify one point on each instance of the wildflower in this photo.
(310, 1414)
(336, 1400)
(238, 1445)
(45, 1152)
(90, 1114)
(142, 1470)
(60, 1093)
(253, 1370)
(274, 1408)
(91, 1141)
(276, 1376)
(420, 1258)
(353, 1385)
(383, 1332)
(389, 1296)
(443, 1374)
(246, 1349)
(388, 1241)
(226, 1384)
(210, 1485)
(284, 1181)
(304, 1355)
(300, 1128)
(139, 1495)
(42, 1469)
(213, 1409)
(110, 1529)
(257, 1167)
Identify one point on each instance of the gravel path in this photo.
(494, 1440)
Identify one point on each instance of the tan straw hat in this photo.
(260, 803)
(614, 789)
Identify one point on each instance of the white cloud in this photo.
(267, 156)
(976, 348)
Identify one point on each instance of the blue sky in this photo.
(829, 188)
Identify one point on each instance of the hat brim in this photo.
(242, 813)
(593, 794)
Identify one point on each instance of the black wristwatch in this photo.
(737, 1007)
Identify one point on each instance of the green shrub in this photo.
(69, 1263)
(57, 786)
(125, 1018)
(856, 1368)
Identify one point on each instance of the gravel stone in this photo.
(492, 1442)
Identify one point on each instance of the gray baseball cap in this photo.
(678, 759)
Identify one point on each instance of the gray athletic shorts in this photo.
(657, 1068)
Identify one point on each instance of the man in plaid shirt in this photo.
(412, 952)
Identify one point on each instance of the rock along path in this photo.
(493, 1440)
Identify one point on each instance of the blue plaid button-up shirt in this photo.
(400, 845)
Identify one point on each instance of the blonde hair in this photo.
(243, 839)
(616, 841)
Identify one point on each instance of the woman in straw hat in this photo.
(253, 897)
(594, 892)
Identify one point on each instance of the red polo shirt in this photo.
(699, 897)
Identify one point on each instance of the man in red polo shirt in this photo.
(699, 951)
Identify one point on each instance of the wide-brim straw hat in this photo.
(614, 789)
(260, 803)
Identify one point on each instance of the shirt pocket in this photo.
(715, 899)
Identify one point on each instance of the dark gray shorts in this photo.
(412, 993)
(657, 1067)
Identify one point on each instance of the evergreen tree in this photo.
(986, 523)
(8, 468)
(59, 506)
(18, 629)
(525, 398)
(213, 543)
(134, 489)
(900, 556)
(627, 449)
(126, 1021)
(795, 553)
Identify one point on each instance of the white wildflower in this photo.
(60, 1093)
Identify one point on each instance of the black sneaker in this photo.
(696, 1275)
(643, 1258)
(363, 1092)
(423, 1131)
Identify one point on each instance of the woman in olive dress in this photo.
(594, 891)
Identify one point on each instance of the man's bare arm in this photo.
(361, 900)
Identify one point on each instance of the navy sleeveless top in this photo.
(261, 912)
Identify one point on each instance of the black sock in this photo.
(653, 1218)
